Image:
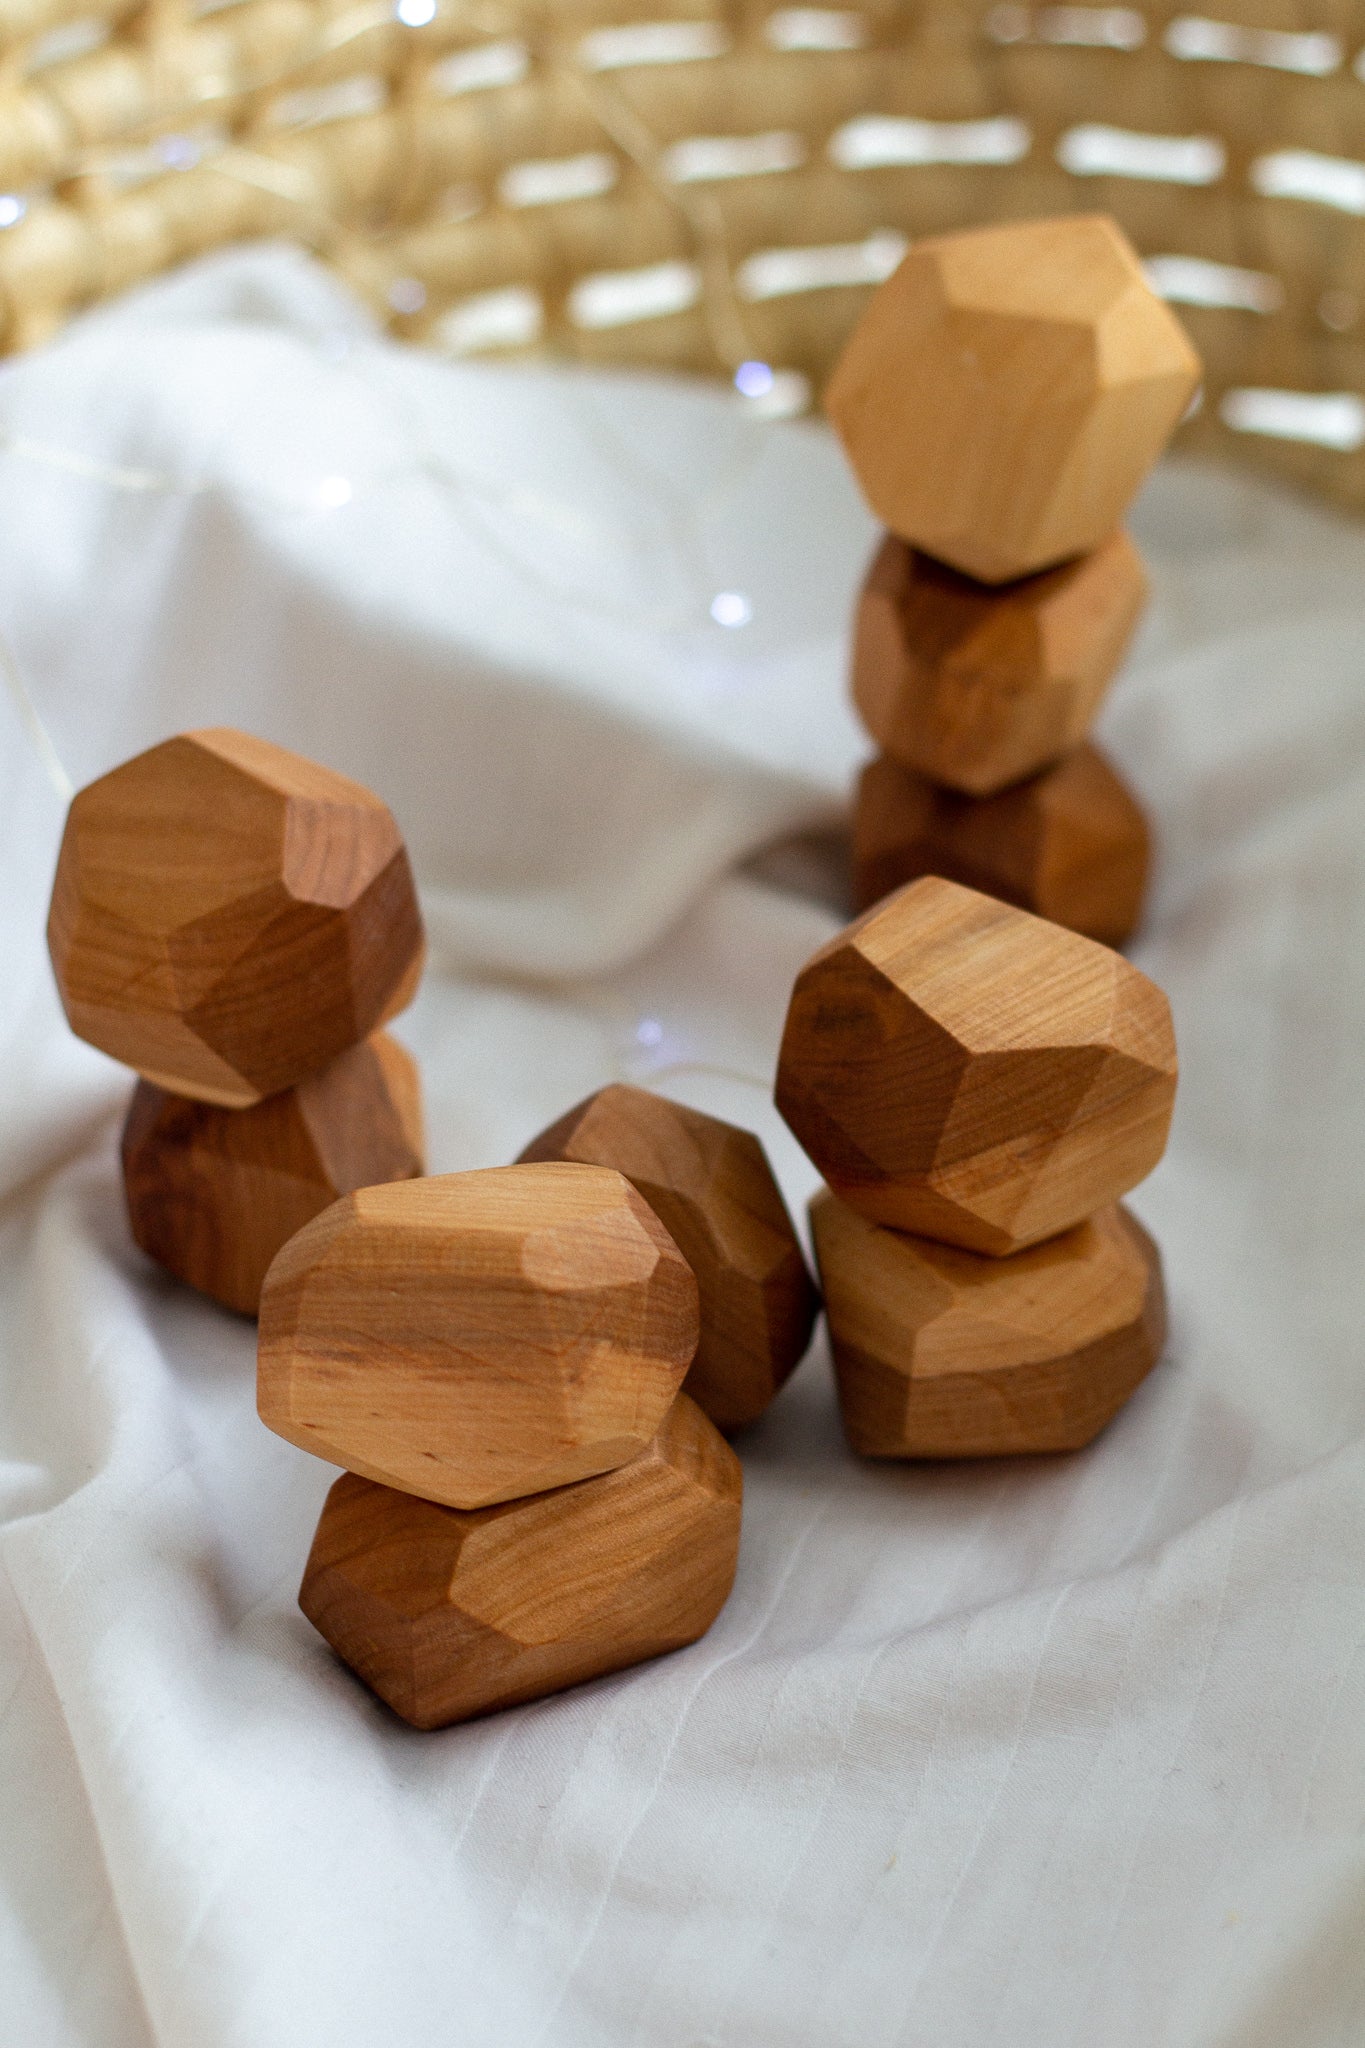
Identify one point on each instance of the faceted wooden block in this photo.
(941, 1353)
(213, 1193)
(962, 1070)
(478, 1336)
(1007, 390)
(977, 687)
(228, 917)
(711, 1187)
(448, 1613)
(1070, 844)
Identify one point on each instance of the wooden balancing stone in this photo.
(496, 1357)
(1007, 390)
(978, 1087)
(228, 917)
(977, 688)
(447, 1613)
(214, 1193)
(941, 1353)
(711, 1187)
(1001, 400)
(479, 1336)
(235, 922)
(1071, 844)
(960, 1069)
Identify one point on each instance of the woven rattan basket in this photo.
(673, 182)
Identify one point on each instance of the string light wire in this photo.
(677, 528)
(625, 1030)
(679, 525)
(32, 722)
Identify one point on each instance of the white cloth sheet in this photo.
(1040, 1754)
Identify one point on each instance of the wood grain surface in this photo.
(1007, 390)
(711, 1187)
(960, 1069)
(446, 1614)
(941, 1353)
(214, 1193)
(1071, 844)
(228, 917)
(475, 1337)
(976, 687)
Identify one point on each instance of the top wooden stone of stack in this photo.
(1008, 389)
(961, 1070)
(478, 1337)
(228, 917)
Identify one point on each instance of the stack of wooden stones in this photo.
(237, 923)
(495, 1358)
(978, 1087)
(1001, 400)
(522, 1370)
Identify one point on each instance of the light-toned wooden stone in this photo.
(446, 1614)
(1070, 844)
(941, 1353)
(978, 688)
(711, 1187)
(962, 1070)
(214, 1193)
(1007, 390)
(228, 917)
(478, 1336)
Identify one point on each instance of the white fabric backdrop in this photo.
(1044, 1754)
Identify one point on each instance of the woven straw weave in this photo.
(676, 182)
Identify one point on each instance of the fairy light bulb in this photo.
(179, 152)
(754, 380)
(407, 295)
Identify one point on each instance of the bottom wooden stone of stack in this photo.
(447, 1613)
(214, 1193)
(942, 1353)
(1071, 844)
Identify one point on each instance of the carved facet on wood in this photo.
(960, 1069)
(214, 1193)
(478, 1336)
(446, 1614)
(1070, 844)
(977, 687)
(228, 917)
(711, 1186)
(941, 1353)
(1006, 391)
